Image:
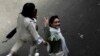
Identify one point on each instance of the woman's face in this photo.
(56, 23)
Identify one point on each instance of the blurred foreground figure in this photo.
(26, 30)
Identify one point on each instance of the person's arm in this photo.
(34, 33)
(47, 33)
(46, 28)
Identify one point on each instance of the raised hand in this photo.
(45, 21)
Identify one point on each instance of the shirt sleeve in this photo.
(47, 33)
(34, 33)
(50, 36)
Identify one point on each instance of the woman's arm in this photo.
(47, 33)
(46, 28)
(34, 33)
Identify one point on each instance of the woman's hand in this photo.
(45, 21)
(44, 42)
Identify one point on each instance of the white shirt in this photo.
(26, 29)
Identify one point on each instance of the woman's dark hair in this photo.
(28, 10)
(35, 14)
(52, 18)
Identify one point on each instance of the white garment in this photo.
(64, 47)
(26, 29)
(26, 32)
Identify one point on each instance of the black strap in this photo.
(11, 34)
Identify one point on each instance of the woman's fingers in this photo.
(45, 21)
